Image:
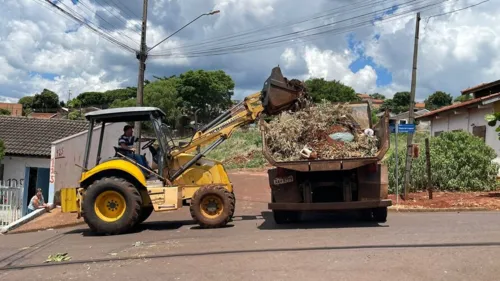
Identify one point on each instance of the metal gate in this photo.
(11, 203)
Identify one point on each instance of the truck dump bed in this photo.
(362, 114)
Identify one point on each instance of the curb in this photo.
(49, 228)
(433, 210)
(25, 219)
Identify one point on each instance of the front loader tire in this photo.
(212, 206)
(146, 211)
(111, 206)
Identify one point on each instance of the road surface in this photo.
(410, 246)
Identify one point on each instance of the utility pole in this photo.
(142, 55)
(411, 110)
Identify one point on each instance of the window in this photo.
(436, 134)
(479, 131)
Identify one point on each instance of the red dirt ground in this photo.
(488, 200)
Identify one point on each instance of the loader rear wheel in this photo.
(146, 211)
(111, 206)
(231, 214)
(211, 206)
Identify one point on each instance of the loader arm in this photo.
(277, 95)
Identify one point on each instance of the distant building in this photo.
(16, 109)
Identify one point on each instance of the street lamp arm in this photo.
(206, 14)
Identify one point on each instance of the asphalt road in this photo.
(410, 246)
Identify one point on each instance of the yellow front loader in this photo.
(114, 196)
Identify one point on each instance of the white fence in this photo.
(11, 203)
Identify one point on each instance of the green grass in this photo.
(242, 150)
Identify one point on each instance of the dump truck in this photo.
(359, 184)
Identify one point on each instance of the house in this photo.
(375, 103)
(47, 153)
(469, 116)
(28, 150)
(16, 109)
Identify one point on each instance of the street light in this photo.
(206, 14)
(142, 55)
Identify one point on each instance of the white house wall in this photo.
(14, 167)
(70, 151)
(466, 121)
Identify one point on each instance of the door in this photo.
(42, 181)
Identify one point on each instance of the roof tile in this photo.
(33, 137)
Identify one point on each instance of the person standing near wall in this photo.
(37, 202)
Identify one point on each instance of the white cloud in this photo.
(456, 51)
(335, 66)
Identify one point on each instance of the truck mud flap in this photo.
(330, 206)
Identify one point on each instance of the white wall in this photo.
(67, 152)
(14, 167)
(466, 121)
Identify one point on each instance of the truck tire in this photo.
(380, 214)
(212, 206)
(111, 206)
(282, 217)
(145, 213)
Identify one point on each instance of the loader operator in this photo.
(126, 141)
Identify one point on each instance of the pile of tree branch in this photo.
(324, 131)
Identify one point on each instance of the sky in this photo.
(367, 45)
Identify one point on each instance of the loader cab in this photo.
(126, 115)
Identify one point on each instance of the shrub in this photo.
(459, 162)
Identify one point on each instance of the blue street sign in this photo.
(406, 128)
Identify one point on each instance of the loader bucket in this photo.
(280, 94)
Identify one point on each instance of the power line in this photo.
(296, 34)
(281, 26)
(113, 27)
(270, 41)
(115, 16)
(94, 29)
(458, 10)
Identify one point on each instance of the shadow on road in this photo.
(314, 220)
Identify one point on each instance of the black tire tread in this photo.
(101, 227)
(229, 205)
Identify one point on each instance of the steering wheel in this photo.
(148, 144)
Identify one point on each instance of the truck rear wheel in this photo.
(111, 206)
(212, 206)
(282, 217)
(380, 214)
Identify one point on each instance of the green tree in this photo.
(399, 103)
(163, 94)
(123, 103)
(333, 91)
(208, 91)
(463, 98)
(438, 100)
(2, 150)
(4, 111)
(75, 115)
(377, 96)
(46, 101)
(27, 102)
